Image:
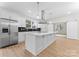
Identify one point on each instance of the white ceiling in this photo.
(52, 9)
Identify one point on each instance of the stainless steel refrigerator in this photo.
(8, 32)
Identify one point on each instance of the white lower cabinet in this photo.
(36, 43)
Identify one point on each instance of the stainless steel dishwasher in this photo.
(8, 32)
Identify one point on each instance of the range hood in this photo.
(42, 20)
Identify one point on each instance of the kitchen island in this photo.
(36, 42)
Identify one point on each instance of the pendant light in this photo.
(42, 18)
(38, 16)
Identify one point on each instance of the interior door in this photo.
(72, 30)
(13, 33)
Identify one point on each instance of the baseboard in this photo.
(34, 53)
(60, 35)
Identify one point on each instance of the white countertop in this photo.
(40, 33)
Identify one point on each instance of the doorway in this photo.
(60, 29)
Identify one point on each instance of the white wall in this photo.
(64, 18)
(7, 14)
(67, 18)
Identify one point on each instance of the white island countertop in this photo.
(40, 33)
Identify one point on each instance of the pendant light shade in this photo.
(42, 17)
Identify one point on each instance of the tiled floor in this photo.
(60, 48)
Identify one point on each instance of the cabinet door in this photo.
(39, 43)
(48, 39)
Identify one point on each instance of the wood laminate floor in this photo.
(62, 47)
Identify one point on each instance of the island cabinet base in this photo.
(37, 43)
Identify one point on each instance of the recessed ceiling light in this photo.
(29, 11)
(68, 12)
(38, 17)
